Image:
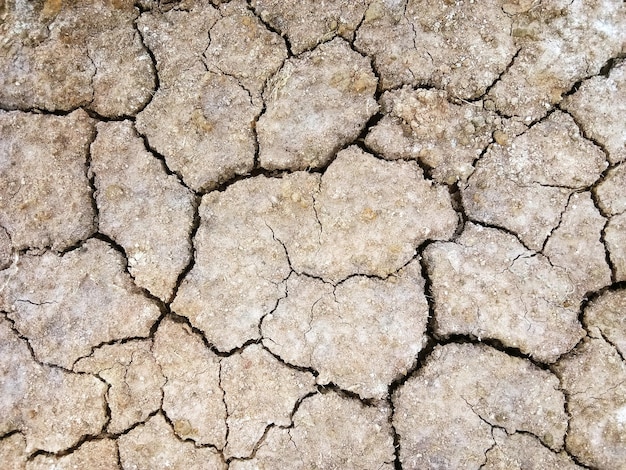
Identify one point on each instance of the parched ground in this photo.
(364, 234)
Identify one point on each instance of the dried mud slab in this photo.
(459, 47)
(135, 381)
(525, 186)
(522, 451)
(192, 398)
(316, 104)
(259, 392)
(576, 245)
(487, 285)
(26, 390)
(599, 105)
(45, 197)
(423, 125)
(239, 266)
(58, 56)
(560, 43)
(306, 25)
(445, 414)
(607, 313)
(593, 377)
(372, 215)
(610, 191)
(153, 445)
(83, 298)
(203, 126)
(201, 121)
(238, 40)
(134, 196)
(328, 432)
(360, 335)
(94, 455)
(615, 239)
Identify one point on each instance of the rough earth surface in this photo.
(364, 234)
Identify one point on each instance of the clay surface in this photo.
(45, 198)
(339, 234)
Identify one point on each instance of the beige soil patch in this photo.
(266, 234)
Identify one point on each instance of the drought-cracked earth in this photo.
(361, 234)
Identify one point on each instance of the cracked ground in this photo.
(364, 234)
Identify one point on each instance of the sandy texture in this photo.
(45, 197)
(446, 413)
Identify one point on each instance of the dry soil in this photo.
(303, 234)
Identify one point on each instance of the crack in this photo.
(107, 408)
(278, 240)
(207, 67)
(192, 252)
(190, 440)
(315, 211)
(502, 229)
(427, 170)
(66, 112)
(122, 251)
(584, 134)
(224, 185)
(359, 24)
(491, 428)
(113, 342)
(331, 387)
(38, 304)
(290, 365)
(499, 77)
(604, 71)
(102, 434)
(607, 253)
(397, 463)
(118, 456)
(479, 416)
(495, 426)
(8, 434)
(161, 158)
(211, 347)
(256, 447)
(495, 343)
(31, 350)
(566, 405)
(134, 425)
(92, 77)
(556, 227)
(271, 426)
(14, 269)
(70, 450)
(90, 176)
(221, 387)
(493, 446)
(613, 345)
(269, 27)
(456, 200)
